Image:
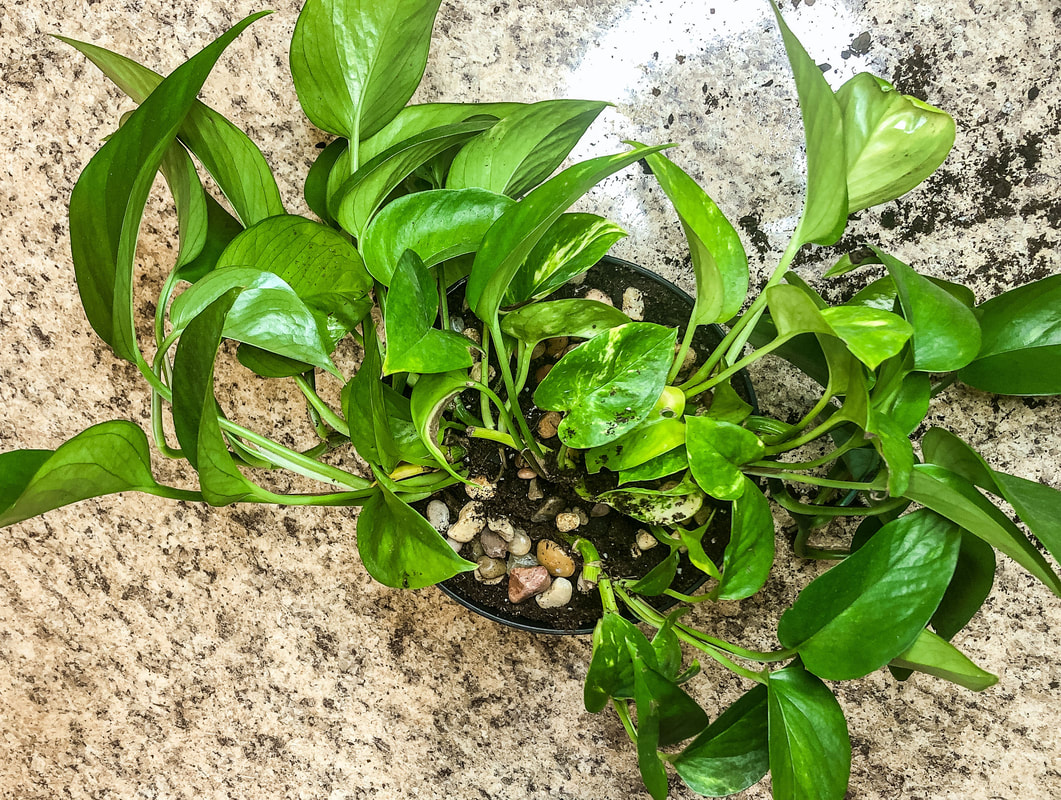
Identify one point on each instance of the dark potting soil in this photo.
(614, 534)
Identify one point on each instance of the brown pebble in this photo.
(567, 522)
(493, 545)
(538, 351)
(548, 424)
(527, 473)
(600, 510)
(490, 569)
(553, 558)
(554, 347)
(542, 371)
(525, 582)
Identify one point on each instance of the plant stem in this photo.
(484, 402)
(808, 418)
(493, 436)
(787, 502)
(813, 480)
(333, 420)
(443, 305)
(679, 358)
(821, 461)
(510, 387)
(622, 708)
(729, 372)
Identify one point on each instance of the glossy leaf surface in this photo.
(732, 753)
(810, 751)
(719, 261)
(228, 154)
(416, 119)
(656, 506)
(189, 201)
(825, 213)
(436, 225)
(413, 343)
(609, 384)
(651, 438)
(934, 655)
(1020, 353)
(750, 551)
(653, 771)
(524, 148)
(890, 586)
(108, 200)
(892, 141)
(316, 188)
(574, 317)
(716, 451)
(355, 63)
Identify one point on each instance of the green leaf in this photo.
(610, 672)
(226, 152)
(104, 459)
(750, 551)
(727, 405)
(668, 648)
(108, 200)
(436, 225)
(1020, 353)
(825, 213)
(936, 656)
(189, 200)
(571, 245)
(359, 197)
(609, 384)
(810, 751)
(356, 63)
(653, 771)
(732, 753)
(716, 451)
(871, 335)
(415, 119)
(316, 188)
(656, 506)
(719, 261)
(892, 443)
(973, 578)
(399, 547)
(511, 239)
(1038, 506)
(669, 463)
(431, 395)
(196, 298)
(575, 317)
(221, 228)
(317, 262)
(956, 498)
(524, 148)
(195, 408)
(890, 586)
(659, 578)
(946, 334)
(651, 438)
(892, 141)
(413, 344)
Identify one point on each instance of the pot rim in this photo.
(661, 603)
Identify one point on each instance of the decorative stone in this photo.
(528, 559)
(645, 540)
(520, 544)
(502, 526)
(490, 569)
(567, 522)
(483, 488)
(633, 303)
(493, 545)
(455, 545)
(689, 360)
(438, 515)
(469, 522)
(475, 549)
(583, 517)
(473, 334)
(554, 347)
(525, 582)
(558, 594)
(533, 491)
(541, 372)
(555, 560)
(571, 347)
(600, 510)
(538, 351)
(527, 473)
(548, 424)
(549, 509)
(599, 296)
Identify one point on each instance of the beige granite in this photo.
(165, 650)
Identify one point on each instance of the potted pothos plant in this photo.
(491, 368)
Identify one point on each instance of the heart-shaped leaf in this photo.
(810, 750)
(355, 64)
(891, 586)
(892, 141)
(413, 343)
(716, 451)
(436, 225)
(609, 384)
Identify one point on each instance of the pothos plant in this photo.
(413, 198)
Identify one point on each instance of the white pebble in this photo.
(520, 544)
(558, 594)
(567, 522)
(438, 515)
(480, 488)
(502, 527)
(469, 523)
(645, 540)
(633, 303)
(599, 296)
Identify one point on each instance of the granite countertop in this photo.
(162, 650)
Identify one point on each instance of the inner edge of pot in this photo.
(662, 603)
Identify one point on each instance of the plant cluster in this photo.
(412, 199)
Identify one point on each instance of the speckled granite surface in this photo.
(157, 650)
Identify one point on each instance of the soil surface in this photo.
(614, 534)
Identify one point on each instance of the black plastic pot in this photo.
(706, 339)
